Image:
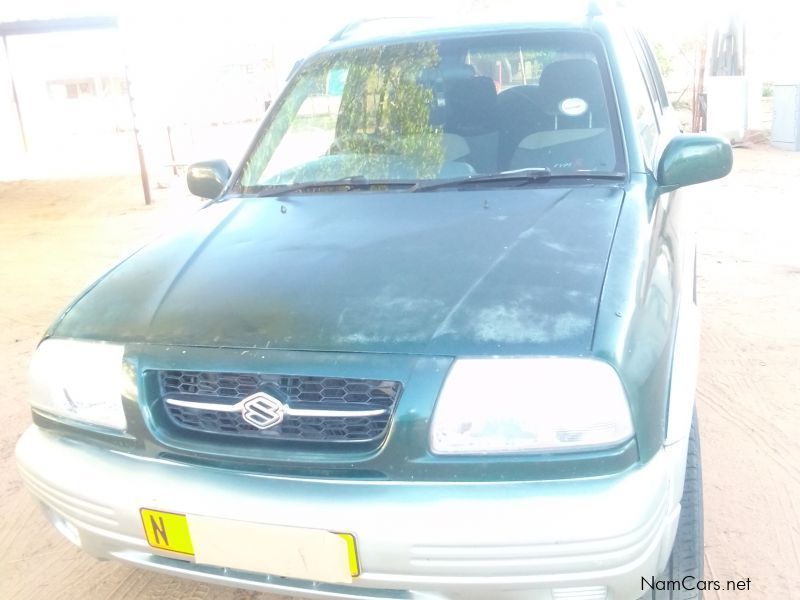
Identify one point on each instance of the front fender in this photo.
(648, 279)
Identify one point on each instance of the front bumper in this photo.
(591, 538)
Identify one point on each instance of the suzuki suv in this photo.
(435, 337)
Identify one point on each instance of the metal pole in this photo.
(139, 150)
(172, 151)
(14, 94)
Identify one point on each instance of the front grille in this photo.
(298, 394)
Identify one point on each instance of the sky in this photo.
(201, 30)
(320, 17)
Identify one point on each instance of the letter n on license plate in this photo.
(168, 531)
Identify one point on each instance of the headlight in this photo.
(501, 405)
(82, 381)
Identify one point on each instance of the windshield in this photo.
(433, 110)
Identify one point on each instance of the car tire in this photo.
(686, 560)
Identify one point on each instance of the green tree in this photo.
(386, 109)
(663, 59)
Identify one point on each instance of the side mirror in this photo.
(208, 178)
(691, 158)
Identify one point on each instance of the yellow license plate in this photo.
(170, 531)
(167, 531)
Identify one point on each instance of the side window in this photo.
(640, 100)
(651, 61)
(647, 73)
(643, 113)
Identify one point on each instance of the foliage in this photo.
(663, 59)
(385, 107)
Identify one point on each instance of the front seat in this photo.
(471, 104)
(577, 136)
(521, 114)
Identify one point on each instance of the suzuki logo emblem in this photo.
(262, 410)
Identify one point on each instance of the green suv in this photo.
(435, 336)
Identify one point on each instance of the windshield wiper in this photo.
(525, 176)
(345, 184)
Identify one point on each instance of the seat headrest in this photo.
(471, 105)
(572, 78)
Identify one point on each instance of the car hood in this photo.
(446, 273)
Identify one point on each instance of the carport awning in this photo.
(56, 25)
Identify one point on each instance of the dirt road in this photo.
(57, 236)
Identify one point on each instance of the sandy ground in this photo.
(57, 236)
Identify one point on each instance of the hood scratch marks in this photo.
(517, 324)
(446, 324)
